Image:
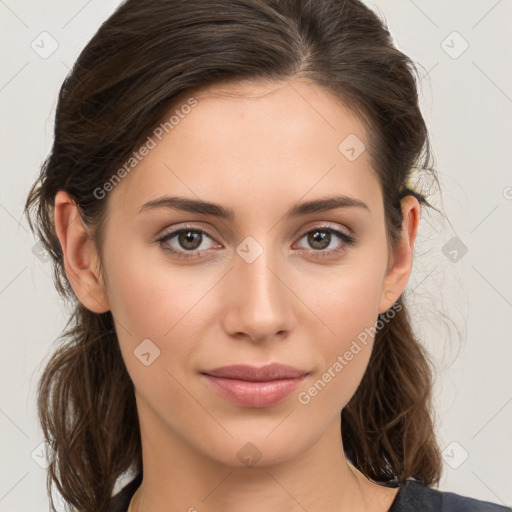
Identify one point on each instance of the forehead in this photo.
(251, 139)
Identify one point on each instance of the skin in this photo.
(258, 149)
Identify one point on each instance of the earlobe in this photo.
(79, 255)
(398, 274)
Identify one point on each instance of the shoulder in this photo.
(415, 496)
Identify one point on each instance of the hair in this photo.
(146, 56)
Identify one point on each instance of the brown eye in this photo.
(319, 240)
(185, 242)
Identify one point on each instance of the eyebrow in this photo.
(216, 210)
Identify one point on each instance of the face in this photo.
(256, 287)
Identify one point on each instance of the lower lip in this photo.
(254, 394)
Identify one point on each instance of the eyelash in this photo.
(348, 240)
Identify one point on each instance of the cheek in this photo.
(342, 357)
(150, 300)
(149, 295)
(347, 300)
(150, 303)
(348, 306)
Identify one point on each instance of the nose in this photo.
(259, 300)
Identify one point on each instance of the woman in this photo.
(229, 204)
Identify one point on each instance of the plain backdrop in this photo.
(462, 265)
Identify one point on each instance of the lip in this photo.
(251, 386)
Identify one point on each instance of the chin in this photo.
(258, 449)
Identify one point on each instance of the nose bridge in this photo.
(260, 303)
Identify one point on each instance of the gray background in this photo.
(466, 97)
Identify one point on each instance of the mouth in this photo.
(249, 386)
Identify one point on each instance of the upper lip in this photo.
(256, 374)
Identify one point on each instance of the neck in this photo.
(177, 477)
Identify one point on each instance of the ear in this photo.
(80, 257)
(400, 265)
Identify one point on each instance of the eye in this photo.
(322, 237)
(188, 240)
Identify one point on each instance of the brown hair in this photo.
(146, 55)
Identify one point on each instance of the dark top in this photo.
(412, 497)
